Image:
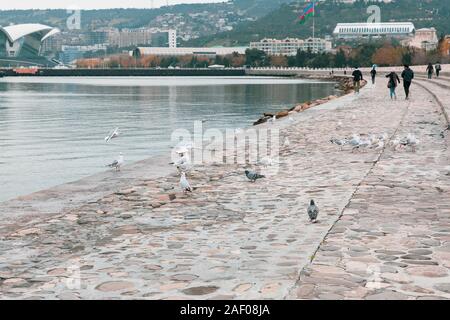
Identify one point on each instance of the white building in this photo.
(290, 46)
(425, 38)
(142, 36)
(210, 52)
(376, 30)
(24, 40)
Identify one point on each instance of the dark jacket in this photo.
(357, 75)
(393, 79)
(373, 72)
(408, 75)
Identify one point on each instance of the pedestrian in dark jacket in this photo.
(357, 77)
(438, 69)
(430, 70)
(394, 80)
(373, 73)
(408, 76)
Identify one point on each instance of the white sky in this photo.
(92, 4)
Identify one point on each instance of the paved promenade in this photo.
(383, 230)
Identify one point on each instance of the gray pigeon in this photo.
(253, 176)
(313, 212)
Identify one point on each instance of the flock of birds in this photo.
(377, 142)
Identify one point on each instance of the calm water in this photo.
(52, 129)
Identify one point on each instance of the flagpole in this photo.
(314, 22)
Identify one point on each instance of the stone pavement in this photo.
(383, 230)
(393, 239)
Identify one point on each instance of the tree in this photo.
(340, 60)
(255, 58)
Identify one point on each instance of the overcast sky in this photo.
(91, 4)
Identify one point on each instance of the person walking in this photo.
(357, 77)
(394, 80)
(408, 76)
(438, 69)
(430, 70)
(373, 73)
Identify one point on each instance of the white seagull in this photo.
(117, 163)
(113, 134)
(184, 184)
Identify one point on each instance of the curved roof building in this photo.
(23, 40)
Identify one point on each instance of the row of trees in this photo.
(384, 54)
(153, 61)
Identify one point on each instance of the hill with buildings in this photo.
(283, 22)
(190, 20)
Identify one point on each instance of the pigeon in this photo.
(113, 134)
(253, 176)
(313, 212)
(117, 163)
(184, 184)
(340, 142)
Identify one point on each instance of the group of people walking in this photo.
(431, 70)
(393, 79)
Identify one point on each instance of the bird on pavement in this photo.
(117, 163)
(253, 176)
(184, 184)
(313, 211)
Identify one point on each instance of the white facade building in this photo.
(425, 38)
(362, 30)
(290, 46)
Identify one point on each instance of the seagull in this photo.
(313, 212)
(412, 141)
(113, 134)
(380, 145)
(183, 164)
(184, 184)
(286, 143)
(253, 176)
(273, 119)
(395, 144)
(117, 163)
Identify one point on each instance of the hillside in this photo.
(237, 10)
(283, 21)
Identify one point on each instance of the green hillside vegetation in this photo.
(283, 22)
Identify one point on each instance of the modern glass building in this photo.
(22, 43)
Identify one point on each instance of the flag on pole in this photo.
(308, 11)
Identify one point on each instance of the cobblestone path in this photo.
(383, 230)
